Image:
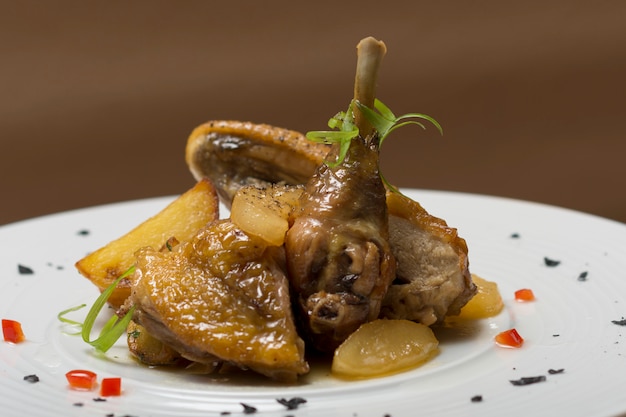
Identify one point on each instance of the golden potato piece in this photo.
(148, 349)
(180, 219)
(264, 212)
(383, 347)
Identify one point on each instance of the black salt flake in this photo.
(248, 409)
(515, 235)
(24, 270)
(99, 399)
(583, 276)
(477, 398)
(556, 371)
(31, 378)
(550, 262)
(621, 322)
(83, 232)
(527, 380)
(292, 403)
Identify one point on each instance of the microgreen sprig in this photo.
(381, 118)
(385, 122)
(346, 131)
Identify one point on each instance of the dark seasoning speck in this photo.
(551, 262)
(248, 409)
(31, 378)
(527, 380)
(24, 270)
(292, 403)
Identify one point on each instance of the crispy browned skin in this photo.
(433, 277)
(339, 260)
(221, 297)
(234, 154)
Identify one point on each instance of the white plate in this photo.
(570, 326)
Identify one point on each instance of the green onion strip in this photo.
(114, 327)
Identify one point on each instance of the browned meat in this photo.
(342, 243)
(338, 257)
(221, 297)
(433, 278)
(235, 154)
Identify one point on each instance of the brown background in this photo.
(97, 98)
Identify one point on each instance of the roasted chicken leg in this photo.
(338, 256)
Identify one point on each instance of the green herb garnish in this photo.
(385, 122)
(381, 118)
(346, 131)
(114, 327)
(63, 319)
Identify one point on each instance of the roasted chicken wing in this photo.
(222, 296)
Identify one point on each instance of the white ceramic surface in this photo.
(570, 326)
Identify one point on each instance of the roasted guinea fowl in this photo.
(433, 278)
(353, 250)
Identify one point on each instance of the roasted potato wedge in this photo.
(180, 219)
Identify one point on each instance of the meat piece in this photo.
(338, 256)
(221, 297)
(235, 154)
(433, 278)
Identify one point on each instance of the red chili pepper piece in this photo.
(524, 294)
(111, 387)
(81, 379)
(12, 331)
(509, 338)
